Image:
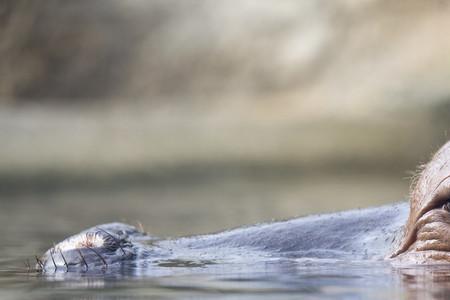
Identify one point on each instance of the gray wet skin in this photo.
(414, 233)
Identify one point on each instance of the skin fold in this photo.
(427, 231)
(418, 233)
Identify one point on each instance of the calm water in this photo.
(32, 221)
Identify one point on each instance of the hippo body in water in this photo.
(356, 234)
(416, 233)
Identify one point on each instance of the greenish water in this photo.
(31, 221)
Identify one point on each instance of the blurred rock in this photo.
(111, 88)
(302, 56)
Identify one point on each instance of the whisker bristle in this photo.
(98, 254)
(84, 261)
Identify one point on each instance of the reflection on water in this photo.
(30, 223)
(287, 278)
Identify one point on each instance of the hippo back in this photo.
(359, 234)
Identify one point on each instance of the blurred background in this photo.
(192, 116)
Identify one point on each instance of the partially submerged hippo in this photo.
(418, 233)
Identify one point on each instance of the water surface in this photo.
(30, 221)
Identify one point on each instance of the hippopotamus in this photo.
(417, 232)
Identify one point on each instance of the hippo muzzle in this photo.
(95, 248)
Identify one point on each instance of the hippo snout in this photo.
(95, 248)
